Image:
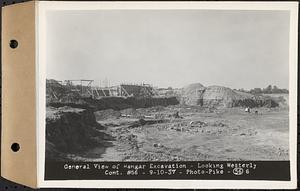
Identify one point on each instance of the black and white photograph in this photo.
(167, 85)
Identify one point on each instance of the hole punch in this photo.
(13, 44)
(15, 147)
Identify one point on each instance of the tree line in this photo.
(268, 90)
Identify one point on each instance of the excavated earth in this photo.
(72, 130)
(167, 133)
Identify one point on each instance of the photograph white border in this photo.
(41, 35)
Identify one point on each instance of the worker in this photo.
(247, 109)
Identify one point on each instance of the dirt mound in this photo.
(192, 87)
(281, 99)
(245, 95)
(219, 96)
(69, 130)
(191, 94)
(216, 96)
(220, 92)
(197, 94)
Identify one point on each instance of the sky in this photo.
(169, 48)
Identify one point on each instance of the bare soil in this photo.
(194, 133)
